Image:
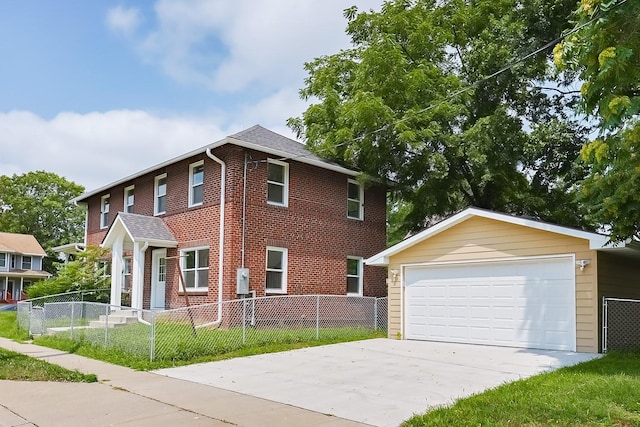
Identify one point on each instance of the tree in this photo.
(604, 52)
(39, 203)
(86, 272)
(416, 102)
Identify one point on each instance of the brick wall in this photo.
(314, 227)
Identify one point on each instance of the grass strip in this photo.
(18, 367)
(602, 392)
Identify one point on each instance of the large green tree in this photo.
(604, 51)
(39, 203)
(416, 102)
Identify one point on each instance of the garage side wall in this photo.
(481, 238)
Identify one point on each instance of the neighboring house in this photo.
(255, 213)
(483, 277)
(20, 265)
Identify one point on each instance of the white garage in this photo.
(484, 277)
(528, 302)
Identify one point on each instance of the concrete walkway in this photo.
(124, 397)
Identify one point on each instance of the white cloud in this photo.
(229, 46)
(123, 21)
(97, 148)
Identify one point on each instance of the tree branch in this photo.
(562, 92)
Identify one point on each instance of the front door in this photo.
(158, 278)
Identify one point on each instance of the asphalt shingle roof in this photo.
(20, 243)
(144, 227)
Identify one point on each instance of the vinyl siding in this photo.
(482, 238)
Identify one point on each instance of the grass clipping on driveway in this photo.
(602, 392)
(18, 367)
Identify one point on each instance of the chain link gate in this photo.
(620, 324)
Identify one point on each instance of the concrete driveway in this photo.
(379, 382)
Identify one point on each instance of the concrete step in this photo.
(117, 318)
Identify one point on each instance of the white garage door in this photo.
(525, 303)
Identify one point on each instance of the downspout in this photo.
(244, 203)
(223, 174)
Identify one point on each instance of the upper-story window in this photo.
(196, 183)
(276, 280)
(14, 260)
(277, 183)
(160, 191)
(3, 260)
(104, 211)
(129, 199)
(26, 262)
(195, 268)
(354, 276)
(355, 200)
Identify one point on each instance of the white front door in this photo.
(158, 278)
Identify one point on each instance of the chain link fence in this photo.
(30, 313)
(211, 329)
(620, 324)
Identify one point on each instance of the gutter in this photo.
(223, 174)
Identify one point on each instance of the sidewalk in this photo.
(132, 398)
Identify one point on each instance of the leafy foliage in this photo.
(605, 54)
(39, 203)
(83, 273)
(410, 102)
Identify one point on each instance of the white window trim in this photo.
(183, 262)
(361, 201)
(285, 196)
(285, 266)
(104, 221)
(5, 261)
(22, 262)
(126, 192)
(192, 166)
(156, 195)
(361, 273)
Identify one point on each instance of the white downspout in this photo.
(223, 174)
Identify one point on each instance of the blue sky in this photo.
(96, 90)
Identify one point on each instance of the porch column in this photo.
(137, 274)
(116, 270)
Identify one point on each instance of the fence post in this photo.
(106, 325)
(73, 304)
(152, 338)
(317, 316)
(244, 320)
(375, 314)
(604, 324)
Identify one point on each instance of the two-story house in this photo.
(254, 213)
(20, 265)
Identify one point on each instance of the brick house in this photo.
(254, 213)
(20, 265)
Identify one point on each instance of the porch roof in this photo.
(140, 228)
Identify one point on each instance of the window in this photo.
(128, 199)
(277, 183)
(160, 200)
(195, 268)
(26, 262)
(13, 261)
(104, 269)
(104, 211)
(276, 281)
(126, 272)
(3, 260)
(354, 276)
(355, 200)
(196, 183)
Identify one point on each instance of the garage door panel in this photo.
(524, 303)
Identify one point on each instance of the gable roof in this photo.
(255, 138)
(25, 244)
(596, 241)
(140, 228)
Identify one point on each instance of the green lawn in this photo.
(603, 392)
(9, 327)
(16, 366)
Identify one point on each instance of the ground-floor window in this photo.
(354, 276)
(195, 268)
(276, 277)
